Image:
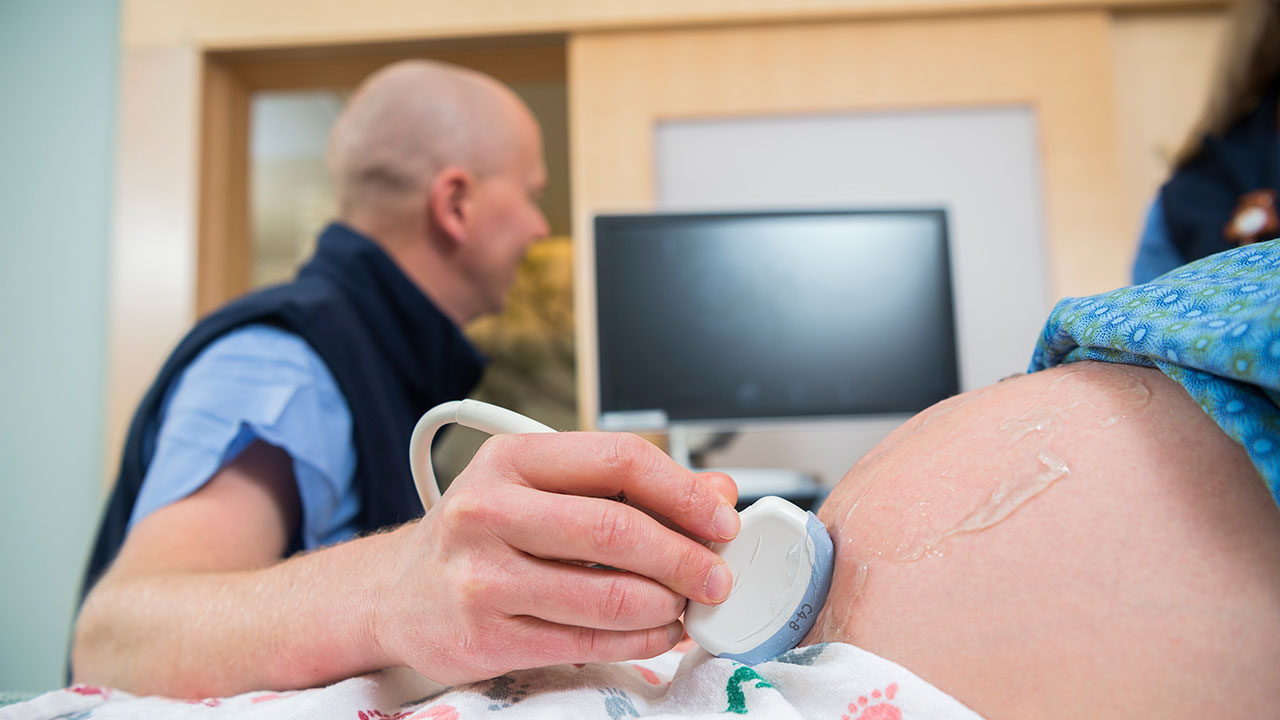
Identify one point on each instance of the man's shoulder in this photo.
(304, 294)
(259, 340)
(286, 317)
(263, 351)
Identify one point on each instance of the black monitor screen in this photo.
(731, 317)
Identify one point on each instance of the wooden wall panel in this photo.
(241, 24)
(622, 84)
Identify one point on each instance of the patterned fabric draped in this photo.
(1212, 325)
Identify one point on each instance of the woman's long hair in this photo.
(1248, 65)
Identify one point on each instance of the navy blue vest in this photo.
(394, 356)
(1202, 196)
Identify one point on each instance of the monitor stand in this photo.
(800, 487)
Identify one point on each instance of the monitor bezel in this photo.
(782, 422)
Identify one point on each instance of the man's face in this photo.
(507, 219)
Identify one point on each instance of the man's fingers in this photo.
(609, 464)
(598, 598)
(723, 484)
(601, 531)
(553, 644)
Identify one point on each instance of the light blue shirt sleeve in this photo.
(258, 383)
(1156, 253)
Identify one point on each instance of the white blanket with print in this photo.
(834, 680)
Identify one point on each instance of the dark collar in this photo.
(428, 351)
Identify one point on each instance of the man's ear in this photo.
(449, 203)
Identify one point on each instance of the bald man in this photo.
(281, 424)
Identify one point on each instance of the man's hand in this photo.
(500, 573)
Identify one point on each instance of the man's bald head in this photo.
(412, 119)
(442, 167)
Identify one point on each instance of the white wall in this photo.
(57, 90)
(980, 164)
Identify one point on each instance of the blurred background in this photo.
(162, 156)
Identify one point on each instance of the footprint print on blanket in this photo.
(506, 692)
(618, 704)
(877, 706)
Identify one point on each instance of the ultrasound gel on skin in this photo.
(781, 560)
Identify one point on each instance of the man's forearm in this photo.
(300, 623)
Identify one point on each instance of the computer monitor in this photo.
(718, 320)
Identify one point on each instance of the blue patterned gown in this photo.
(1212, 325)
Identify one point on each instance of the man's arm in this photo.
(197, 601)
(196, 604)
